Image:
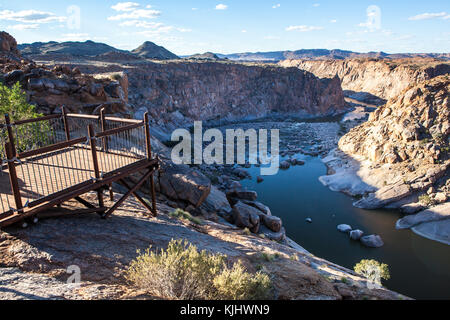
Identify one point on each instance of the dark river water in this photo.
(420, 268)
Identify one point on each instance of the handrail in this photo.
(115, 119)
(83, 116)
(49, 117)
(119, 130)
(53, 147)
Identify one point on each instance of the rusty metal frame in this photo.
(148, 165)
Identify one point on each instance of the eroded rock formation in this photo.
(384, 78)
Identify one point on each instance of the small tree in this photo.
(373, 270)
(13, 101)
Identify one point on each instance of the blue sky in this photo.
(227, 26)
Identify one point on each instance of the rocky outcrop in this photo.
(384, 78)
(413, 126)
(8, 45)
(181, 183)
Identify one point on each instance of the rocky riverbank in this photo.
(399, 158)
(35, 261)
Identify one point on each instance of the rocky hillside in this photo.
(400, 159)
(51, 88)
(413, 126)
(87, 48)
(149, 50)
(385, 79)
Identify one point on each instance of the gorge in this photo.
(390, 156)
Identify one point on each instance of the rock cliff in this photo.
(383, 78)
(214, 91)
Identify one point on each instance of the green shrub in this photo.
(13, 101)
(181, 214)
(269, 257)
(183, 272)
(237, 284)
(425, 199)
(373, 270)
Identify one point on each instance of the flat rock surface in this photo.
(439, 212)
(436, 230)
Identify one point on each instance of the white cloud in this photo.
(74, 37)
(426, 16)
(125, 6)
(333, 21)
(316, 5)
(303, 28)
(141, 24)
(136, 14)
(194, 9)
(184, 30)
(21, 27)
(276, 6)
(221, 7)
(30, 16)
(244, 31)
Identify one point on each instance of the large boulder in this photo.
(180, 182)
(216, 201)
(8, 44)
(372, 241)
(246, 216)
(243, 195)
(273, 223)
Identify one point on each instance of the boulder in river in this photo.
(285, 165)
(356, 234)
(372, 241)
(344, 228)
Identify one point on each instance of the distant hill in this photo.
(323, 54)
(203, 56)
(149, 50)
(87, 48)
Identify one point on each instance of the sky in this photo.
(229, 26)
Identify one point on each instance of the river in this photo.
(420, 268)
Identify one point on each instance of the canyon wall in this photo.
(214, 90)
(413, 126)
(383, 78)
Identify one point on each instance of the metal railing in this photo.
(45, 157)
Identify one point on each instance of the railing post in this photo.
(13, 177)
(93, 145)
(103, 126)
(10, 134)
(66, 123)
(149, 156)
(105, 147)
